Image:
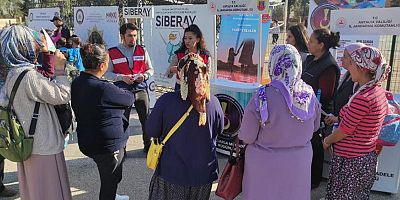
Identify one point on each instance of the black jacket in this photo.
(99, 108)
(343, 94)
(313, 69)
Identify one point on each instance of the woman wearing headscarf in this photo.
(43, 176)
(354, 161)
(188, 164)
(277, 125)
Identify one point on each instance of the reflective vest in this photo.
(121, 64)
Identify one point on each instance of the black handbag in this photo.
(64, 114)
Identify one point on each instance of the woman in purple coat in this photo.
(278, 124)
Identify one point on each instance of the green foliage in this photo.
(10, 8)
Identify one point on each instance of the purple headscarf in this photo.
(285, 71)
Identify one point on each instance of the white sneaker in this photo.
(121, 197)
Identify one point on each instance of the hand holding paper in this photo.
(50, 45)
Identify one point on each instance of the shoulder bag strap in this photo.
(35, 116)
(15, 88)
(177, 125)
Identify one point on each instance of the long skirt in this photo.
(351, 178)
(162, 190)
(44, 177)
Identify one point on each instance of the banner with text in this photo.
(226, 7)
(375, 21)
(239, 47)
(39, 18)
(138, 12)
(97, 24)
(164, 33)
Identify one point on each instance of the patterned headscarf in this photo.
(195, 83)
(17, 48)
(285, 71)
(372, 60)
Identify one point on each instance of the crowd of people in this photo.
(285, 125)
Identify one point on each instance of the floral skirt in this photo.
(162, 190)
(351, 178)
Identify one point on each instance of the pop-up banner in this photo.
(39, 18)
(97, 24)
(163, 35)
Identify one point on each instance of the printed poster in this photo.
(238, 48)
(98, 24)
(39, 18)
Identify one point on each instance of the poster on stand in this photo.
(163, 35)
(97, 24)
(39, 18)
(227, 7)
(239, 48)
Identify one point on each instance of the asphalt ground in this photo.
(84, 177)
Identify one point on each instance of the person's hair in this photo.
(329, 38)
(124, 27)
(75, 40)
(62, 42)
(197, 32)
(93, 55)
(300, 36)
(95, 38)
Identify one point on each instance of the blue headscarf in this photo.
(17, 46)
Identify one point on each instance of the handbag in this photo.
(14, 145)
(64, 115)
(390, 132)
(155, 150)
(230, 182)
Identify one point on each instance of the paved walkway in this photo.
(84, 178)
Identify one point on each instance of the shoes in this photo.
(121, 197)
(7, 192)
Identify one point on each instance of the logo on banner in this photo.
(112, 16)
(233, 114)
(80, 17)
(265, 18)
(341, 22)
(321, 16)
(56, 14)
(261, 5)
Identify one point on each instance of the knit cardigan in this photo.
(34, 87)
